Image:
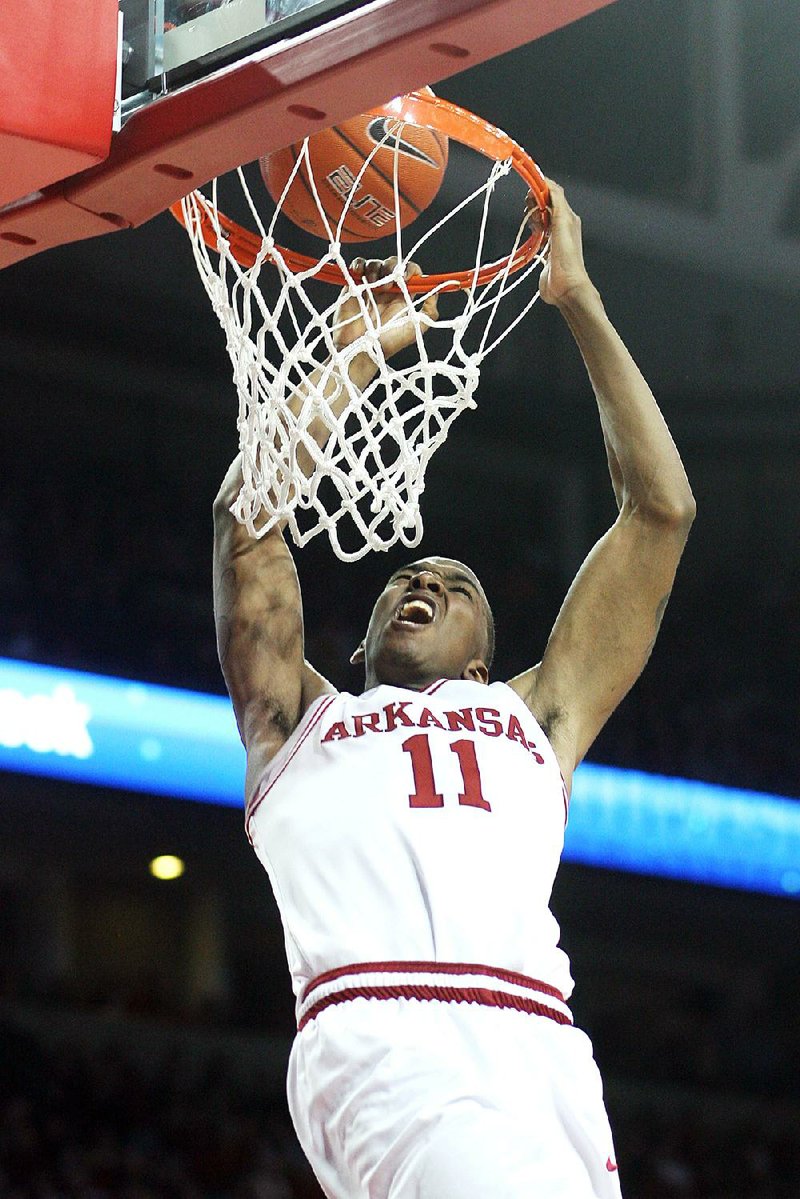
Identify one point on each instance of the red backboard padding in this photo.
(58, 65)
(269, 100)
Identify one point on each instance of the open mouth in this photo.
(417, 611)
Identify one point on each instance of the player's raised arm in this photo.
(259, 621)
(257, 601)
(605, 630)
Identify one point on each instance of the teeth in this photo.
(417, 611)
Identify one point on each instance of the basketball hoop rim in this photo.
(430, 112)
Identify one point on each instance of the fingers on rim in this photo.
(557, 194)
(373, 270)
(369, 268)
(430, 306)
(534, 210)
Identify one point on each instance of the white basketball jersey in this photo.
(412, 826)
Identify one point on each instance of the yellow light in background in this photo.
(167, 866)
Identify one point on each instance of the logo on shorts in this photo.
(611, 1165)
(385, 130)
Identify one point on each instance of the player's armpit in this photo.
(605, 631)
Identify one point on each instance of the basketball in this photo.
(337, 156)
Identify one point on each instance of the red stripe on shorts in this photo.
(507, 976)
(480, 995)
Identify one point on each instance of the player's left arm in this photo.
(608, 623)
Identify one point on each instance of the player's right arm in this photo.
(259, 622)
(257, 603)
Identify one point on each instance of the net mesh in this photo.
(321, 449)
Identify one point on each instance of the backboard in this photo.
(108, 116)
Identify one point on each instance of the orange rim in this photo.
(431, 112)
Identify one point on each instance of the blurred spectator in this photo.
(92, 1124)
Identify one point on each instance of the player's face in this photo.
(430, 622)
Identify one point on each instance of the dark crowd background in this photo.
(144, 1026)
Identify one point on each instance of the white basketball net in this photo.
(368, 449)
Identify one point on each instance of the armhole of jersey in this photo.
(565, 791)
(286, 752)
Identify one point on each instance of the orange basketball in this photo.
(337, 155)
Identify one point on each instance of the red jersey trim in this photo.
(507, 976)
(439, 683)
(480, 995)
(253, 808)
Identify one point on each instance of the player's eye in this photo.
(463, 590)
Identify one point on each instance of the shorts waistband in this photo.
(444, 982)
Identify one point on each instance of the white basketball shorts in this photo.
(430, 1098)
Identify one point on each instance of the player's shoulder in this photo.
(266, 740)
(524, 684)
(265, 754)
(478, 694)
(550, 713)
(531, 687)
(313, 686)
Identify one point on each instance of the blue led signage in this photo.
(136, 736)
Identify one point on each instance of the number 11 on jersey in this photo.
(425, 794)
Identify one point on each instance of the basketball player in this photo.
(412, 833)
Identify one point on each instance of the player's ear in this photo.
(358, 657)
(476, 671)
